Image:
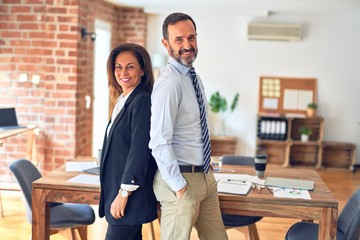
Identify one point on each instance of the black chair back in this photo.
(238, 160)
(25, 173)
(349, 218)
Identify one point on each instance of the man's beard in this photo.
(178, 58)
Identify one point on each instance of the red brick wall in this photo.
(43, 37)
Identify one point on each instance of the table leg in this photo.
(1, 206)
(328, 224)
(40, 215)
(31, 147)
(319, 157)
(287, 156)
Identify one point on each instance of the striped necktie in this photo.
(204, 126)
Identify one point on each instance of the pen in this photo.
(236, 180)
(227, 170)
(236, 183)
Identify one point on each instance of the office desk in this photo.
(31, 131)
(31, 141)
(322, 206)
(54, 188)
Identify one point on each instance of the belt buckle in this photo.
(192, 168)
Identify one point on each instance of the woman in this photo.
(127, 166)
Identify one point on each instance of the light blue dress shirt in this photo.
(175, 134)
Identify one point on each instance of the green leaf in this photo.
(312, 105)
(235, 102)
(217, 103)
(305, 130)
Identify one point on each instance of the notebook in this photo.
(289, 183)
(94, 170)
(233, 183)
(8, 119)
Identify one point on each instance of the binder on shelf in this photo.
(272, 128)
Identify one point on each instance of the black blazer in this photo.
(126, 158)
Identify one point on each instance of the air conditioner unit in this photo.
(274, 31)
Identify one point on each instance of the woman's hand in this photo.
(118, 206)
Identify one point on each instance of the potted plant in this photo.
(305, 133)
(218, 104)
(311, 109)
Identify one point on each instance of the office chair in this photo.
(348, 226)
(62, 215)
(232, 221)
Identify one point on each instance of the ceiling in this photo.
(245, 7)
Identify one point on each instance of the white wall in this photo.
(229, 63)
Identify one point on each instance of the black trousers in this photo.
(124, 232)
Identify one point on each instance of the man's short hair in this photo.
(172, 19)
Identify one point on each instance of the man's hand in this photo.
(181, 192)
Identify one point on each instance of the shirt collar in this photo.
(123, 98)
(181, 68)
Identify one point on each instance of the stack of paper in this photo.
(291, 193)
(78, 166)
(233, 183)
(85, 179)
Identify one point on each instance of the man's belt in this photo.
(191, 169)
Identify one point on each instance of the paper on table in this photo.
(291, 193)
(233, 183)
(73, 166)
(85, 179)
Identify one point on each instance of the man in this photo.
(184, 185)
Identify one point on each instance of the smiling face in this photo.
(128, 72)
(181, 43)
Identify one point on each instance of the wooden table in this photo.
(54, 188)
(322, 206)
(31, 131)
(223, 145)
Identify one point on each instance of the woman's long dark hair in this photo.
(142, 56)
